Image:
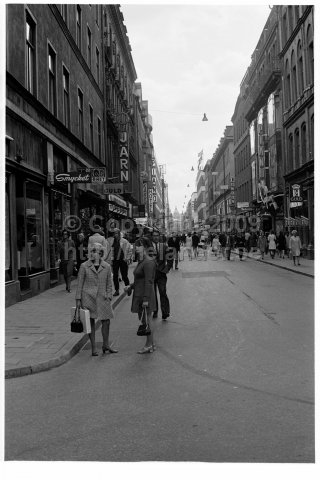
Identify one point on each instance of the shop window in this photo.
(29, 227)
(59, 210)
(34, 227)
(8, 252)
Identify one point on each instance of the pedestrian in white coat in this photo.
(94, 292)
(295, 246)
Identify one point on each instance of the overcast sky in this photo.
(190, 60)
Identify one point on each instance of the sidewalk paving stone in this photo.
(37, 331)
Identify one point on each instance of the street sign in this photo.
(98, 175)
(113, 188)
(72, 177)
(242, 204)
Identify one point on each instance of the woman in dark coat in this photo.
(143, 288)
(281, 244)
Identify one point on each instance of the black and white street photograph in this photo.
(159, 243)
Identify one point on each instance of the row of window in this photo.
(243, 192)
(289, 21)
(300, 147)
(242, 160)
(299, 70)
(52, 87)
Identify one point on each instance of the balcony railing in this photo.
(265, 85)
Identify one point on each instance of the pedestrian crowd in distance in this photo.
(98, 261)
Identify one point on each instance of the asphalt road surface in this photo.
(232, 379)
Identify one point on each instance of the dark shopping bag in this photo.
(76, 324)
(144, 328)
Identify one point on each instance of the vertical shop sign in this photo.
(153, 178)
(124, 158)
(150, 199)
(232, 203)
(145, 193)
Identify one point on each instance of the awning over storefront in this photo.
(117, 205)
(117, 200)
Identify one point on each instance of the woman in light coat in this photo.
(94, 292)
(272, 244)
(98, 237)
(295, 246)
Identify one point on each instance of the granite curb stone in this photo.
(74, 347)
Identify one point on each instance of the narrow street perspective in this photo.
(159, 239)
(231, 378)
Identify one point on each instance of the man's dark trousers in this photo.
(161, 282)
(123, 266)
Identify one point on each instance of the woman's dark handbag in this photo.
(76, 324)
(144, 328)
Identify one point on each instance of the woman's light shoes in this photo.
(146, 350)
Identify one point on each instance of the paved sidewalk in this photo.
(37, 331)
(306, 266)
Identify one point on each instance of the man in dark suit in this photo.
(174, 243)
(164, 262)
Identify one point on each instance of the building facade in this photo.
(296, 24)
(261, 92)
(54, 126)
(77, 134)
(221, 183)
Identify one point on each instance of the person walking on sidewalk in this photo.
(94, 292)
(228, 246)
(272, 244)
(188, 245)
(295, 246)
(223, 242)
(68, 259)
(215, 245)
(144, 296)
(240, 245)
(174, 243)
(98, 237)
(164, 262)
(262, 243)
(247, 237)
(287, 237)
(81, 249)
(120, 258)
(281, 244)
(195, 243)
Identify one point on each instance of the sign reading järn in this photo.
(124, 158)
